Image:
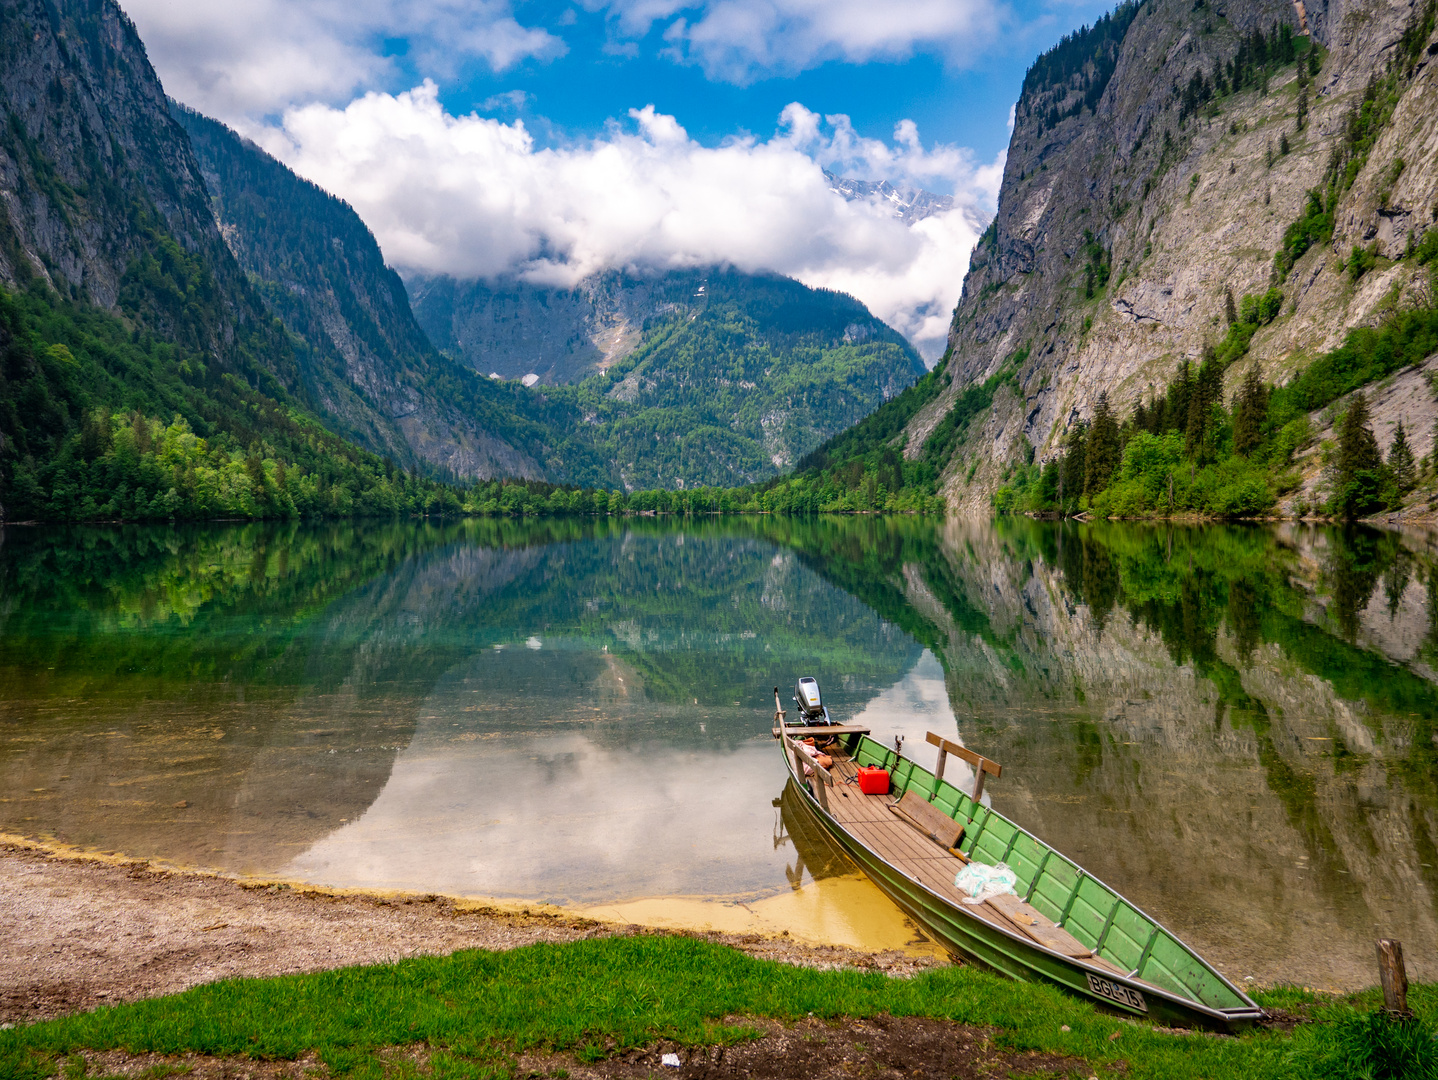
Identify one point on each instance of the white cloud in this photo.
(833, 142)
(474, 197)
(241, 59)
(512, 101)
(740, 40)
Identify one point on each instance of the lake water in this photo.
(1235, 727)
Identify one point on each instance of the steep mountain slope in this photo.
(708, 376)
(748, 376)
(128, 327)
(369, 364)
(512, 328)
(99, 194)
(1150, 184)
(139, 374)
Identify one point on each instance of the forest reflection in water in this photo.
(1233, 726)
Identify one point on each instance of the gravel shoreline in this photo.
(84, 930)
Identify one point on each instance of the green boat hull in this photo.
(966, 934)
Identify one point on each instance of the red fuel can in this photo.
(873, 780)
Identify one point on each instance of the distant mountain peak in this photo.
(908, 204)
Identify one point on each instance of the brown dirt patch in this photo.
(81, 932)
(1283, 1020)
(909, 1047)
(107, 1064)
(881, 1047)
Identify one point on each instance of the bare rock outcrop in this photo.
(1178, 207)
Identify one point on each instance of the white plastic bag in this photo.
(981, 881)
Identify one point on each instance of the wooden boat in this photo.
(1064, 926)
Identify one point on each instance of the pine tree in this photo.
(1248, 417)
(1198, 432)
(1400, 460)
(1361, 474)
(1230, 309)
(1104, 449)
(1175, 405)
(94, 433)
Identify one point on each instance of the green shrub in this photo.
(1426, 250)
(1291, 438)
(1362, 260)
(1148, 462)
(1314, 226)
(1270, 305)
(1244, 497)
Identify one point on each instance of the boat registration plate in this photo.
(1116, 992)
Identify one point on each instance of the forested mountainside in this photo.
(121, 312)
(686, 377)
(1217, 211)
(370, 366)
(141, 374)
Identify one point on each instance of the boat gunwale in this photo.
(1251, 1011)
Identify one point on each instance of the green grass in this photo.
(474, 1011)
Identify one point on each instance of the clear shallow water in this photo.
(1234, 727)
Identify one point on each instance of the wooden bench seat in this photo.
(929, 820)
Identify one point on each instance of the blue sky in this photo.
(548, 139)
(953, 96)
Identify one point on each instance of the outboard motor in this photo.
(811, 705)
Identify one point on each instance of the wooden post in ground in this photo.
(1393, 977)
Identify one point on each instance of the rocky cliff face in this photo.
(1116, 176)
(512, 328)
(318, 267)
(99, 194)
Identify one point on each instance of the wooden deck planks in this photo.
(851, 804)
(848, 806)
(906, 845)
(898, 836)
(1040, 927)
(870, 821)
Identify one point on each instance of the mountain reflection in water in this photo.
(536, 772)
(1233, 726)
